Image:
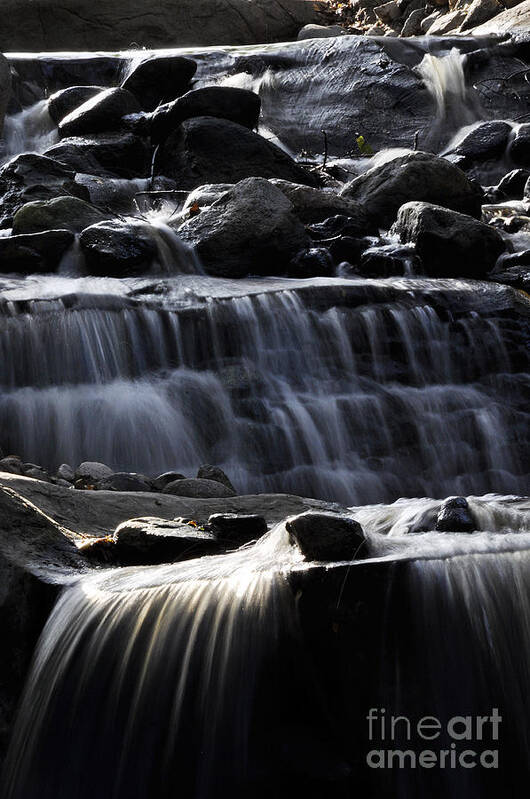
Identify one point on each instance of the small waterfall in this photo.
(32, 130)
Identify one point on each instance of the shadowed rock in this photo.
(326, 536)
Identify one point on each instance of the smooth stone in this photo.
(235, 529)
(159, 79)
(117, 249)
(11, 464)
(65, 472)
(93, 471)
(317, 205)
(198, 488)
(34, 252)
(60, 213)
(208, 472)
(103, 112)
(455, 516)
(487, 141)
(67, 100)
(121, 155)
(312, 262)
(326, 536)
(519, 150)
(162, 480)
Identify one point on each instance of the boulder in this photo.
(60, 213)
(162, 480)
(327, 536)
(36, 473)
(31, 177)
(34, 252)
(449, 244)
(514, 271)
(198, 488)
(65, 472)
(480, 11)
(116, 196)
(236, 529)
(487, 140)
(103, 112)
(314, 31)
(455, 516)
(512, 185)
(388, 261)
(251, 229)
(412, 24)
(125, 481)
(118, 249)
(208, 472)
(92, 471)
(122, 155)
(388, 12)
(208, 150)
(11, 464)
(67, 100)
(316, 205)
(5, 88)
(159, 79)
(513, 19)
(448, 22)
(224, 102)
(519, 150)
(384, 188)
(312, 262)
(206, 195)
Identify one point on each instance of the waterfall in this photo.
(32, 130)
(358, 404)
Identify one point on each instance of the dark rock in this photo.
(160, 79)
(208, 472)
(31, 177)
(67, 100)
(337, 225)
(514, 270)
(311, 262)
(326, 536)
(235, 529)
(125, 481)
(121, 155)
(101, 113)
(388, 260)
(93, 472)
(199, 488)
(5, 88)
(11, 464)
(487, 140)
(162, 480)
(519, 150)
(348, 249)
(383, 189)
(115, 196)
(34, 252)
(117, 249)
(208, 150)
(65, 472)
(455, 516)
(224, 102)
(251, 229)
(36, 473)
(318, 205)
(449, 244)
(512, 186)
(60, 213)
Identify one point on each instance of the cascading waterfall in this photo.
(355, 404)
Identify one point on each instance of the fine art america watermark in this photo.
(400, 742)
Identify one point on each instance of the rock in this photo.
(512, 186)
(160, 79)
(480, 11)
(235, 529)
(514, 271)
(428, 22)
(35, 252)
(223, 102)
(121, 155)
(251, 229)
(11, 464)
(313, 31)
(311, 262)
(117, 249)
(31, 177)
(5, 88)
(125, 481)
(333, 226)
(455, 516)
(116, 196)
(208, 150)
(67, 100)
(36, 473)
(208, 472)
(487, 140)
(383, 189)
(103, 112)
(388, 12)
(412, 25)
(198, 488)
(60, 213)
(162, 480)
(511, 20)
(327, 536)
(316, 205)
(92, 472)
(86, 25)
(65, 472)
(449, 244)
(388, 260)
(448, 22)
(519, 150)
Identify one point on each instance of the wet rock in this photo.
(160, 79)
(383, 189)
(117, 249)
(34, 252)
(92, 471)
(101, 113)
(164, 479)
(67, 100)
(208, 472)
(449, 244)
(311, 262)
(455, 516)
(487, 140)
(480, 11)
(512, 185)
(519, 150)
(114, 195)
(122, 155)
(514, 270)
(236, 529)
(223, 102)
(334, 226)
(11, 464)
(125, 481)
(348, 249)
(65, 472)
(326, 536)
(208, 150)
(317, 205)
(204, 196)
(31, 177)
(198, 488)
(61, 213)
(387, 261)
(251, 229)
